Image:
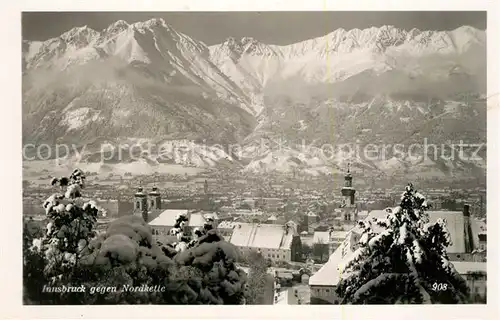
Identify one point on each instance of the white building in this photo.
(273, 241)
(332, 238)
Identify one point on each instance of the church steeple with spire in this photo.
(348, 193)
(348, 177)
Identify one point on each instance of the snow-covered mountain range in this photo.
(167, 55)
(342, 54)
(140, 80)
(146, 80)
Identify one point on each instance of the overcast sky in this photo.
(268, 27)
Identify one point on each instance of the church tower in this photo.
(349, 208)
(154, 199)
(141, 204)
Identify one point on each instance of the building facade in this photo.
(474, 274)
(330, 238)
(147, 205)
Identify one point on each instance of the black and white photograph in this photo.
(254, 158)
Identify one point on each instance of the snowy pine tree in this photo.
(402, 259)
(70, 225)
(58, 251)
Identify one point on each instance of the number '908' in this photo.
(440, 286)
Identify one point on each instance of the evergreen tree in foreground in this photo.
(52, 260)
(402, 259)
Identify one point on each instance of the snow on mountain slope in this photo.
(146, 80)
(101, 99)
(250, 62)
(287, 160)
(31, 48)
(155, 152)
(340, 54)
(143, 80)
(163, 54)
(397, 128)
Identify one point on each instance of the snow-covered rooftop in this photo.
(196, 220)
(464, 267)
(330, 273)
(269, 236)
(363, 213)
(338, 234)
(168, 217)
(455, 222)
(321, 237)
(227, 224)
(212, 215)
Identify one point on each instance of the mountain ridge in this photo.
(173, 56)
(338, 55)
(146, 80)
(384, 32)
